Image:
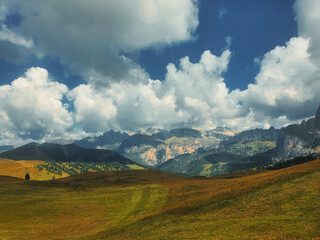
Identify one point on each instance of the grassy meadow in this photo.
(142, 204)
(20, 168)
(46, 170)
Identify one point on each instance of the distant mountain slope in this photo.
(6, 148)
(221, 132)
(64, 153)
(177, 132)
(300, 139)
(153, 146)
(29, 151)
(184, 132)
(163, 145)
(137, 140)
(253, 148)
(270, 134)
(221, 160)
(110, 140)
(61, 141)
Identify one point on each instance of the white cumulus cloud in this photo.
(94, 110)
(31, 107)
(287, 87)
(192, 94)
(308, 19)
(287, 83)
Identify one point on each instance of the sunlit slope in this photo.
(46, 170)
(139, 204)
(282, 204)
(20, 168)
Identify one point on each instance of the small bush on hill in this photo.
(27, 176)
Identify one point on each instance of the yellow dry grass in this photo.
(19, 169)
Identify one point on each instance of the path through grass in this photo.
(29, 212)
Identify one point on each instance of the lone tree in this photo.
(27, 176)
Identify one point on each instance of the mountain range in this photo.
(163, 145)
(226, 158)
(183, 151)
(110, 140)
(253, 148)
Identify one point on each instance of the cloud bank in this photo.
(89, 36)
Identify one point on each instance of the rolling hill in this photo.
(63, 153)
(35, 169)
(269, 204)
(43, 162)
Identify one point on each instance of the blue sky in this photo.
(74, 68)
(255, 28)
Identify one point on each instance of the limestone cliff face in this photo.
(291, 145)
(300, 139)
(155, 149)
(153, 155)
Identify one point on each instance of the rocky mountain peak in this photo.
(300, 139)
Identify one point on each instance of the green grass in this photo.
(46, 170)
(288, 209)
(250, 148)
(29, 212)
(142, 204)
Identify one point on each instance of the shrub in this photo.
(27, 176)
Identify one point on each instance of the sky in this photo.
(75, 68)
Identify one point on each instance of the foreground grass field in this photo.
(140, 204)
